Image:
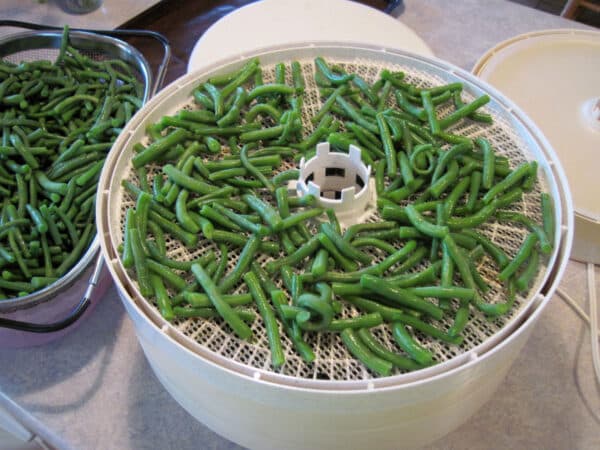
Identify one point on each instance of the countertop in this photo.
(93, 389)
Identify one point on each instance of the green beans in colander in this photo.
(57, 122)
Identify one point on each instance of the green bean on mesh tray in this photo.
(220, 172)
(57, 122)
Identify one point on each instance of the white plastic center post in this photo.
(339, 181)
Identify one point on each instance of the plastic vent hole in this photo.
(335, 172)
(359, 182)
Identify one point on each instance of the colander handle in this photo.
(161, 70)
(73, 316)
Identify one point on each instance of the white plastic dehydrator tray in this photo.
(223, 381)
(569, 62)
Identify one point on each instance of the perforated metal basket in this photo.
(202, 348)
(43, 43)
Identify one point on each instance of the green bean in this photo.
(412, 260)
(347, 264)
(509, 181)
(407, 343)
(548, 216)
(208, 313)
(460, 262)
(278, 299)
(463, 111)
(325, 70)
(326, 107)
(224, 310)
(250, 68)
(162, 297)
(388, 313)
(544, 241)
(460, 320)
(320, 312)
(489, 162)
(454, 196)
(265, 210)
(158, 147)
(343, 246)
(411, 109)
(399, 295)
(187, 182)
(299, 218)
(242, 264)
(474, 220)
(37, 218)
(423, 225)
(183, 217)
(295, 258)
(351, 112)
(427, 275)
(286, 175)
(522, 255)
(201, 300)
(492, 249)
(253, 283)
(480, 117)
(254, 171)
(189, 239)
(159, 257)
(320, 263)
(379, 350)
(262, 109)
(525, 278)
(449, 156)
(360, 351)
(356, 323)
(217, 99)
(531, 178)
(140, 262)
(239, 220)
(50, 186)
(474, 187)
(429, 107)
(234, 112)
(388, 146)
(270, 89)
(355, 229)
(374, 242)
(166, 274)
(154, 205)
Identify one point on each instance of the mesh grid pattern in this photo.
(333, 361)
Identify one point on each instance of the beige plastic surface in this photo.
(291, 21)
(553, 76)
(511, 134)
(245, 401)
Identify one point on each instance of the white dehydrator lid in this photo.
(553, 75)
(285, 21)
(513, 134)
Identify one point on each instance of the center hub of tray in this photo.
(338, 181)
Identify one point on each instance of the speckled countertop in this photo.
(94, 389)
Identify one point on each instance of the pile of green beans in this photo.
(57, 122)
(216, 177)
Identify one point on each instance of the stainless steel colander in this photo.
(43, 43)
(187, 355)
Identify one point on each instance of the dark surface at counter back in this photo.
(183, 23)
